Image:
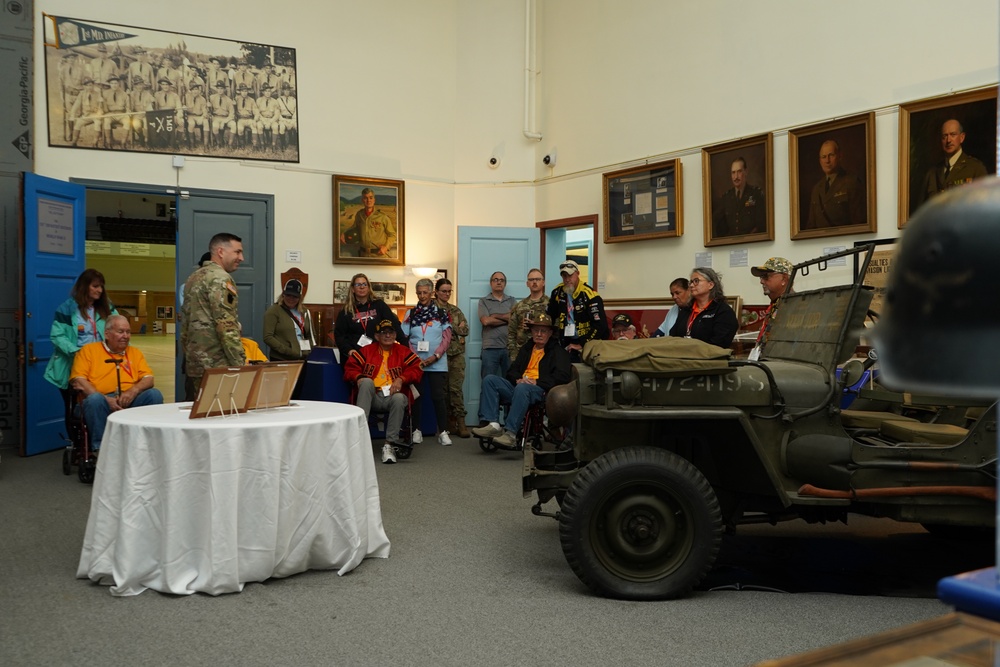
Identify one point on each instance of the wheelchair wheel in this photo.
(67, 460)
(87, 469)
(487, 445)
(403, 451)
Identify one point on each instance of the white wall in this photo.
(629, 80)
(427, 91)
(387, 88)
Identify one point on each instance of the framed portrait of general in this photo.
(832, 177)
(945, 142)
(738, 188)
(643, 202)
(368, 224)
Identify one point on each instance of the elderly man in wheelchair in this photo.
(380, 374)
(111, 376)
(541, 364)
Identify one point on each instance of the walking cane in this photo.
(118, 373)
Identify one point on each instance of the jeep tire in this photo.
(640, 523)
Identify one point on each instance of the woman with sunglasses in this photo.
(355, 325)
(707, 316)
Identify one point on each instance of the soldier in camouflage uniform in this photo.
(456, 359)
(537, 300)
(210, 327)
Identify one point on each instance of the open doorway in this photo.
(132, 240)
(569, 238)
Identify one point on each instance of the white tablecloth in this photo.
(182, 505)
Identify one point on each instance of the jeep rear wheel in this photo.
(640, 523)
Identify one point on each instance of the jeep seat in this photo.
(869, 418)
(916, 431)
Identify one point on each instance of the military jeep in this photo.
(672, 441)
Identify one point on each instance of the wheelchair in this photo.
(534, 433)
(77, 451)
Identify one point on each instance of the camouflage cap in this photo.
(773, 265)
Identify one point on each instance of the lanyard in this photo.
(125, 365)
(765, 324)
(695, 312)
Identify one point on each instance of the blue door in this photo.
(481, 252)
(54, 255)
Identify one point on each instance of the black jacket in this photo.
(348, 329)
(716, 324)
(553, 369)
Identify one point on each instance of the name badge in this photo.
(570, 330)
(754, 353)
(423, 346)
(364, 340)
(385, 390)
(304, 345)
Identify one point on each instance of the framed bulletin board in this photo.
(643, 202)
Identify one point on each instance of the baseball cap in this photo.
(773, 265)
(293, 288)
(569, 267)
(621, 320)
(383, 325)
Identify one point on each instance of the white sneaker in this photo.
(444, 439)
(388, 456)
(418, 437)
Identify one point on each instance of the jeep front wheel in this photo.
(640, 523)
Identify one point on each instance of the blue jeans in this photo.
(496, 361)
(520, 396)
(96, 410)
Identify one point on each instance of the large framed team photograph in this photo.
(945, 142)
(737, 187)
(368, 225)
(643, 202)
(832, 177)
(124, 88)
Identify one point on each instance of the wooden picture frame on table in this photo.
(274, 384)
(832, 178)
(738, 191)
(644, 202)
(375, 237)
(224, 391)
(923, 144)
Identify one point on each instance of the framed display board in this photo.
(224, 391)
(274, 383)
(229, 391)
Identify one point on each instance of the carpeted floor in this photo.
(473, 579)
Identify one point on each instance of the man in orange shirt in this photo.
(380, 373)
(112, 377)
(541, 364)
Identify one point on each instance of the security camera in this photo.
(494, 162)
(550, 159)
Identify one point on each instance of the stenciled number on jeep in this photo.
(729, 382)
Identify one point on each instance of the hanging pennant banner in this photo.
(76, 33)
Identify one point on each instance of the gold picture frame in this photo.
(832, 178)
(643, 202)
(357, 243)
(920, 141)
(750, 217)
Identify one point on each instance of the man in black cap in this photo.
(577, 311)
(380, 374)
(622, 327)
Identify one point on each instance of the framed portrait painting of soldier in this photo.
(832, 177)
(368, 225)
(123, 88)
(738, 187)
(945, 142)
